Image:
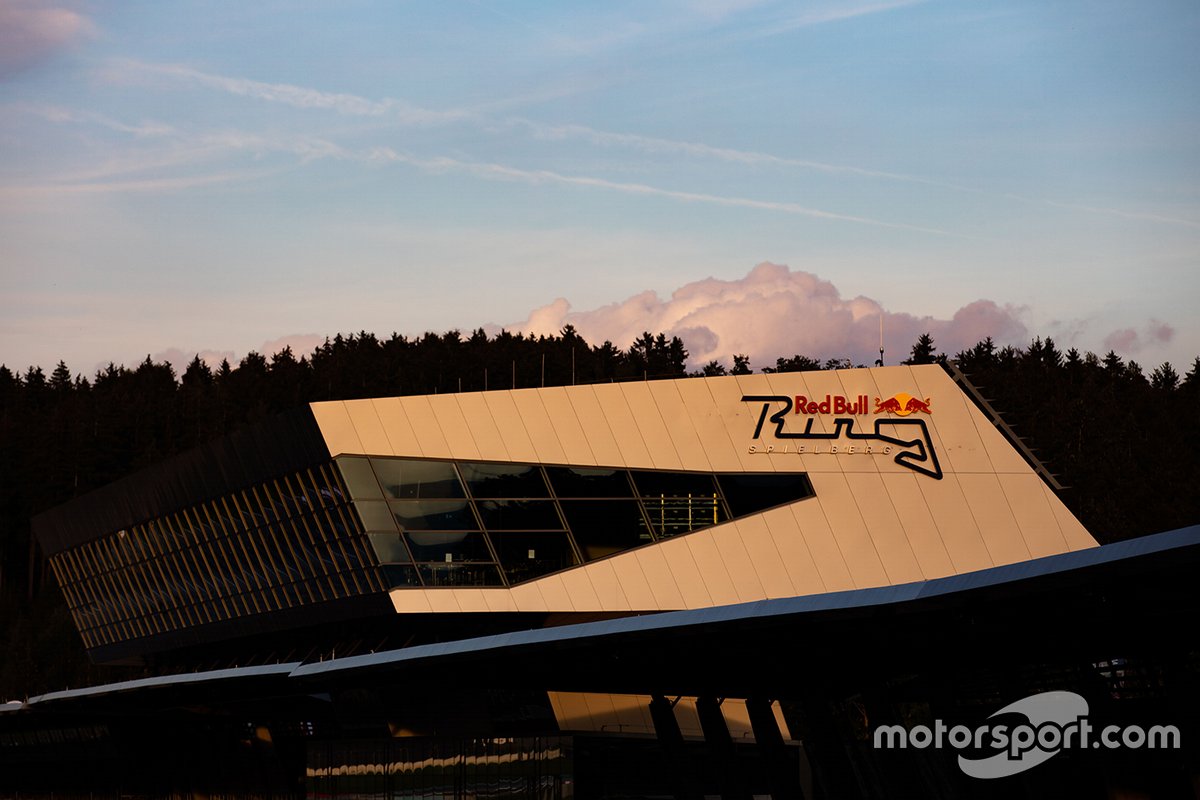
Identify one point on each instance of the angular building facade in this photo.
(607, 499)
(686, 588)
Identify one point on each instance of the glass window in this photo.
(359, 477)
(400, 575)
(672, 484)
(585, 482)
(525, 555)
(604, 527)
(448, 546)
(402, 478)
(670, 516)
(504, 480)
(519, 515)
(751, 493)
(389, 548)
(375, 515)
(442, 574)
(433, 515)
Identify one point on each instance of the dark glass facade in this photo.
(446, 523)
(357, 526)
(275, 545)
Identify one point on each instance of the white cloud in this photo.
(656, 145)
(832, 13)
(300, 96)
(775, 312)
(503, 172)
(302, 344)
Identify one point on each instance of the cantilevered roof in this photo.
(1118, 567)
(1010, 574)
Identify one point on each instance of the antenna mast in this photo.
(879, 361)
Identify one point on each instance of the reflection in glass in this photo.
(518, 515)
(525, 555)
(444, 574)
(749, 493)
(672, 484)
(388, 547)
(289, 541)
(403, 478)
(400, 575)
(504, 480)
(448, 546)
(375, 515)
(587, 482)
(604, 527)
(433, 515)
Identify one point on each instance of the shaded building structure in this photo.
(682, 588)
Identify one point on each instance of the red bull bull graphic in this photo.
(907, 440)
(902, 405)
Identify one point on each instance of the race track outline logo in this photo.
(910, 436)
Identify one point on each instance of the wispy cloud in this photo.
(835, 13)
(657, 145)
(1144, 216)
(401, 112)
(300, 96)
(19, 192)
(503, 172)
(196, 148)
(651, 144)
(163, 149)
(59, 114)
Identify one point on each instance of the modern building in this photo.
(668, 588)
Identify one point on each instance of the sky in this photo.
(767, 178)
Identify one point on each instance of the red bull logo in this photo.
(902, 405)
(832, 404)
(907, 441)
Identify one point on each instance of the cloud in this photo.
(32, 31)
(402, 112)
(300, 96)
(772, 312)
(1130, 341)
(179, 358)
(822, 16)
(656, 145)
(302, 344)
(1160, 331)
(503, 172)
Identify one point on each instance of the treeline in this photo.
(1123, 441)
(64, 434)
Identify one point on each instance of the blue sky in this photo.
(219, 177)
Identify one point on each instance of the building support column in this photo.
(782, 775)
(679, 770)
(721, 749)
